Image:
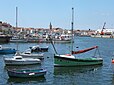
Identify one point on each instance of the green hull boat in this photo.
(70, 60)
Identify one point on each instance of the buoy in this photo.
(112, 60)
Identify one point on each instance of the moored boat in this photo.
(28, 54)
(72, 60)
(19, 60)
(26, 73)
(6, 50)
(31, 55)
(38, 48)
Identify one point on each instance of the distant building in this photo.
(106, 31)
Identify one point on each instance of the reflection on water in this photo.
(24, 67)
(76, 75)
(113, 79)
(74, 70)
(26, 80)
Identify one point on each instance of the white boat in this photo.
(19, 60)
(28, 54)
(40, 56)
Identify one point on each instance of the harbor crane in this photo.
(102, 33)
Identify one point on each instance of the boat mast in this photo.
(16, 23)
(72, 24)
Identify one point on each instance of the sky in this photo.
(88, 14)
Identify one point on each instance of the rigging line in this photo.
(52, 44)
(97, 50)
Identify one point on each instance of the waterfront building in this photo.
(106, 31)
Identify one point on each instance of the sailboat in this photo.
(71, 59)
(18, 59)
(27, 53)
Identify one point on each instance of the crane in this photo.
(102, 33)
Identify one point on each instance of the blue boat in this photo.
(26, 73)
(6, 50)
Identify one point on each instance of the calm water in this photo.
(94, 75)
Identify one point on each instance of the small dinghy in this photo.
(26, 73)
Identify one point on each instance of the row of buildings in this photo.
(8, 29)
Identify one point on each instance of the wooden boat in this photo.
(72, 60)
(28, 54)
(26, 73)
(6, 50)
(38, 48)
(19, 60)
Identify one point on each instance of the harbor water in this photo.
(86, 75)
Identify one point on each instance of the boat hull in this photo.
(62, 41)
(16, 62)
(7, 51)
(62, 61)
(39, 49)
(26, 73)
(40, 56)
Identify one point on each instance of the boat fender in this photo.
(31, 74)
(68, 54)
(112, 60)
